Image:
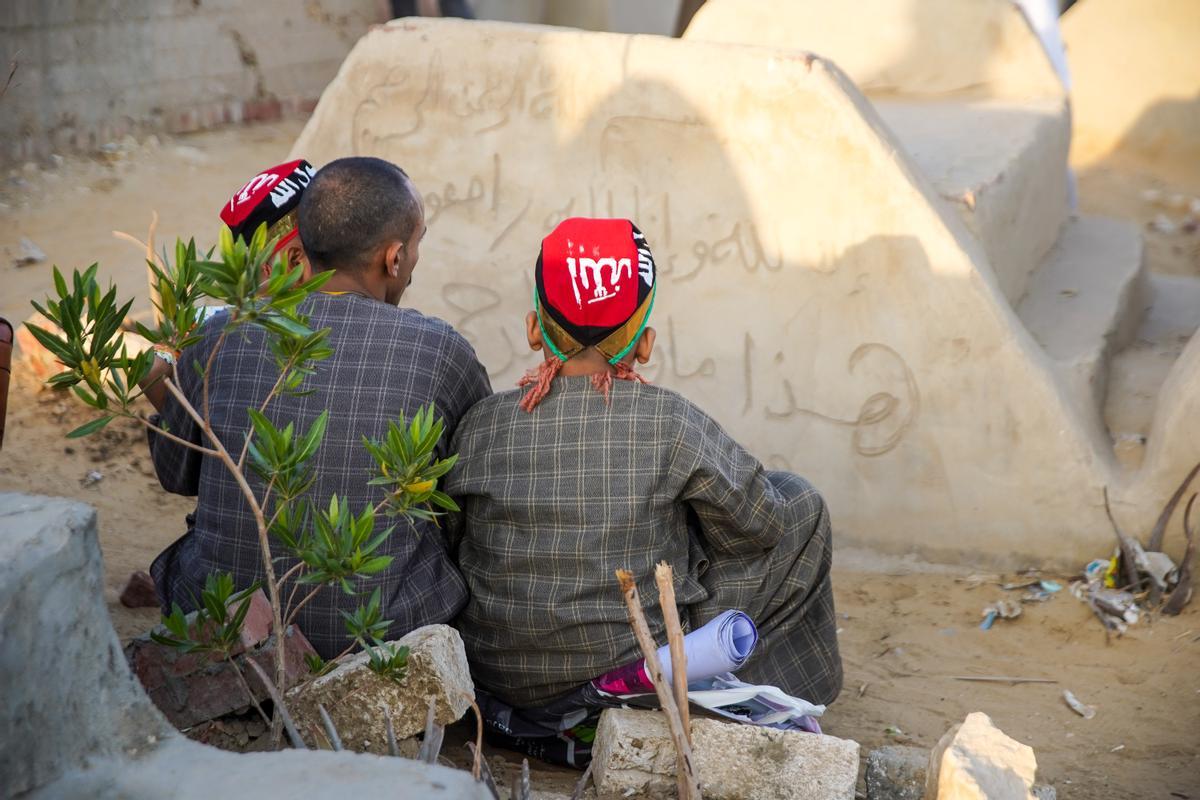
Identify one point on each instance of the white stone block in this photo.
(357, 699)
(975, 760)
(633, 753)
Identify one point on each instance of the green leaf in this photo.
(89, 427)
(375, 565)
(55, 344)
(316, 281)
(226, 239)
(312, 439)
(60, 285)
(442, 500)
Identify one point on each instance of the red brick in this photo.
(262, 110)
(193, 688)
(259, 620)
(139, 591)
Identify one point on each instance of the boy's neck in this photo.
(589, 362)
(347, 282)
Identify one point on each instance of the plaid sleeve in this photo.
(463, 382)
(177, 467)
(742, 508)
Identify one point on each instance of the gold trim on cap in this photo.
(565, 342)
(282, 226)
(612, 345)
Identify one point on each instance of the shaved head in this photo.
(352, 209)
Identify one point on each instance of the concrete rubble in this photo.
(29, 357)
(357, 699)
(633, 754)
(896, 772)
(96, 734)
(975, 760)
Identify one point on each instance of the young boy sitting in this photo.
(591, 469)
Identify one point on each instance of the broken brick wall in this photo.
(93, 71)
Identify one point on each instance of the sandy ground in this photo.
(907, 630)
(1151, 195)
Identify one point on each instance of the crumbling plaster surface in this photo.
(852, 328)
(74, 723)
(91, 71)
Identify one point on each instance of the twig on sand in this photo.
(581, 786)
(479, 764)
(485, 770)
(12, 70)
(690, 788)
(1128, 556)
(1002, 679)
(1182, 593)
(1160, 525)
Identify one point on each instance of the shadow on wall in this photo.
(1168, 132)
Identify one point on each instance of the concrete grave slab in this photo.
(840, 293)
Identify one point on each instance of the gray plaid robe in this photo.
(555, 501)
(386, 361)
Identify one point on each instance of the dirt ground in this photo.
(908, 630)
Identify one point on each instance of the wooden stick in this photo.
(633, 603)
(1002, 679)
(152, 280)
(479, 763)
(665, 578)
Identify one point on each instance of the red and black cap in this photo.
(271, 197)
(594, 287)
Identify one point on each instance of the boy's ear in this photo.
(533, 331)
(393, 257)
(295, 256)
(644, 346)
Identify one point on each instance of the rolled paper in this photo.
(721, 646)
